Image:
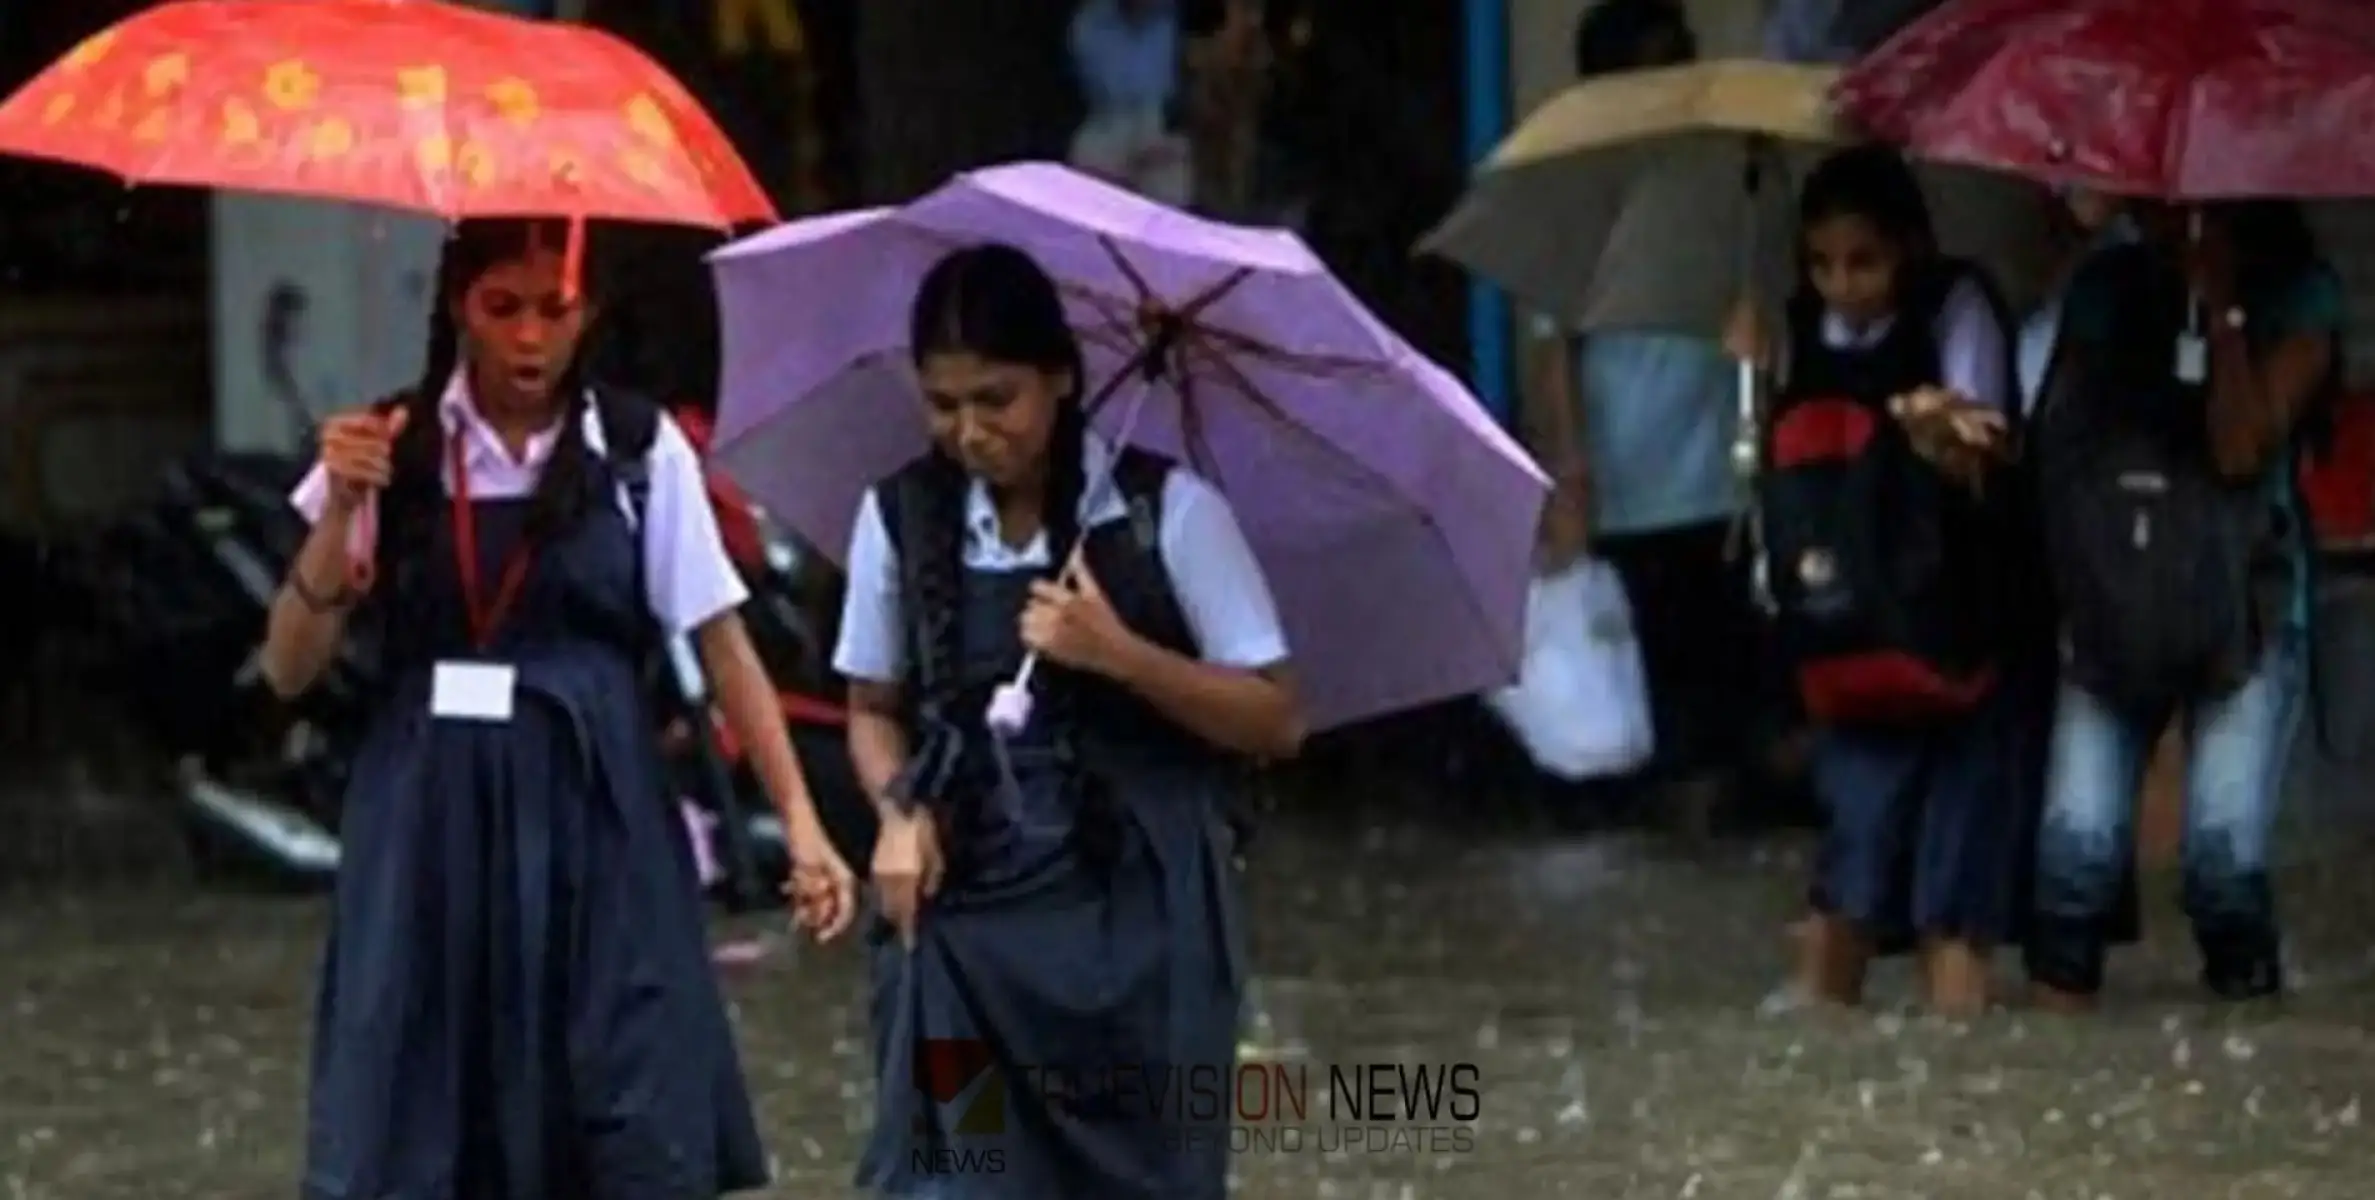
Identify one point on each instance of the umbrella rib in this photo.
(1378, 479)
(1129, 270)
(1262, 403)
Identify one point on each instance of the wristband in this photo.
(316, 602)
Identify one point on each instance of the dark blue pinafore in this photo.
(1046, 1036)
(1927, 826)
(517, 1001)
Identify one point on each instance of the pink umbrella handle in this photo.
(1010, 705)
(362, 544)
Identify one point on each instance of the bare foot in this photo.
(1955, 976)
(2058, 1002)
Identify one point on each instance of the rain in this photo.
(1614, 994)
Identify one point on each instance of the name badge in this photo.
(472, 691)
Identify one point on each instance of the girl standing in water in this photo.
(2272, 318)
(517, 1001)
(1058, 911)
(1924, 840)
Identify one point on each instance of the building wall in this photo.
(1542, 40)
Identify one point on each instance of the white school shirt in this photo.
(687, 577)
(1971, 345)
(1220, 587)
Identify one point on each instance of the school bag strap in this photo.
(630, 424)
(902, 501)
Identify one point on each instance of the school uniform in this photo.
(1088, 923)
(1924, 836)
(517, 999)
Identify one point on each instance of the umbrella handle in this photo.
(362, 544)
(1009, 710)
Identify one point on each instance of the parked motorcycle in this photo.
(180, 591)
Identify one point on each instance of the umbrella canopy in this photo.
(1394, 519)
(412, 104)
(1653, 200)
(2171, 99)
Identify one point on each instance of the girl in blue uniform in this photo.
(1057, 964)
(517, 1002)
(1925, 842)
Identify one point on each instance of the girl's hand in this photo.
(1075, 626)
(907, 869)
(358, 454)
(1938, 419)
(823, 891)
(1958, 436)
(1745, 338)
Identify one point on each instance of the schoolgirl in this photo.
(517, 1001)
(1058, 912)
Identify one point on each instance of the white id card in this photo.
(2193, 358)
(472, 691)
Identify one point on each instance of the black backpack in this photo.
(1880, 569)
(2153, 555)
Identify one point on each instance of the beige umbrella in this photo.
(1655, 199)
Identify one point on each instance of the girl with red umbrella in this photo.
(517, 999)
(2270, 343)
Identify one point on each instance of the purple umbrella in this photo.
(1396, 521)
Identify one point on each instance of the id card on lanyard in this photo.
(478, 690)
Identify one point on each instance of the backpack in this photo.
(1138, 580)
(1879, 568)
(2152, 554)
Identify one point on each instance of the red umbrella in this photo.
(413, 104)
(2173, 99)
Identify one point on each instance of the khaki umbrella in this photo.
(1654, 200)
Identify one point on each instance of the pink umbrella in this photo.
(1395, 519)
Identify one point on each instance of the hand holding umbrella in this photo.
(1343, 454)
(1063, 620)
(426, 107)
(358, 453)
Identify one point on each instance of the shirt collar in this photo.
(1839, 335)
(482, 447)
(981, 512)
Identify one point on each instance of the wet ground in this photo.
(1607, 989)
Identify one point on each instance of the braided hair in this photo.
(995, 302)
(561, 498)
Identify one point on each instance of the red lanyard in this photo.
(485, 614)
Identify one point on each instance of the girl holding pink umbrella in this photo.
(1058, 902)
